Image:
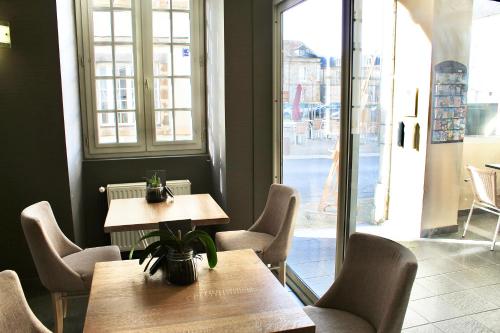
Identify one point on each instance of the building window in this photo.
(142, 73)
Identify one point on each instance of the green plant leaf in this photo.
(151, 234)
(150, 249)
(208, 243)
(158, 250)
(157, 264)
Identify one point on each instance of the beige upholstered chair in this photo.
(15, 313)
(484, 187)
(271, 235)
(372, 290)
(64, 268)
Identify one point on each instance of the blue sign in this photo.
(185, 52)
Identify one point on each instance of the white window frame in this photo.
(143, 61)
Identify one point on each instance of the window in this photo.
(142, 76)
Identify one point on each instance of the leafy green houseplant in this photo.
(154, 189)
(175, 254)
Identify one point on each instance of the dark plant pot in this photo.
(181, 268)
(155, 194)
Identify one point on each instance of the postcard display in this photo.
(449, 102)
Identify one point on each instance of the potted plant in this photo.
(175, 254)
(154, 189)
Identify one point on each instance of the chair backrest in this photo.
(375, 282)
(484, 183)
(48, 245)
(278, 219)
(15, 313)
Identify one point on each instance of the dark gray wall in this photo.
(33, 163)
(98, 173)
(248, 54)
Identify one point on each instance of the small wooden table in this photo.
(493, 166)
(239, 295)
(138, 214)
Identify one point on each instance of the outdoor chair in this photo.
(15, 313)
(372, 291)
(63, 267)
(271, 235)
(484, 187)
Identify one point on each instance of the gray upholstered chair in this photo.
(372, 290)
(271, 235)
(15, 313)
(64, 268)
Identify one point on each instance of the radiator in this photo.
(126, 239)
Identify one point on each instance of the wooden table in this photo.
(493, 166)
(239, 295)
(138, 214)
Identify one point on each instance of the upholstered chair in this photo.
(64, 268)
(15, 313)
(372, 290)
(271, 235)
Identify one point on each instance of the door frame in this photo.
(344, 229)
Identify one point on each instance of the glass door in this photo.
(308, 89)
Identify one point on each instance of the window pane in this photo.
(101, 3)
(127, 127)
(182, 88)
(106, 127)
(183, 125)
(125, 94)
(102, 26)
(181, 26)
(121, 4)
(124, 60)
(161, 60)
(105, 98)
(164, 126)
(161, 27)
(103, 58)
(161, 4)
(182, 60)
(180, 4)
(123, 26)
(163, 94)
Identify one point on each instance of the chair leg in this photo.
(495, 235)
(282, 273)
(65, 306)
(468, 219)
(57, 304)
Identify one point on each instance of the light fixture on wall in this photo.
(4, 34)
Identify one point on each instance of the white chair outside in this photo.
(484, 184)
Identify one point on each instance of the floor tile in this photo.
(490, 319)
(462, 325)
(430, 328)
(430, 267)
(413, 319)
(489, 293)
(469, 278)
(419, 291)
(440, 284)
(450, 306)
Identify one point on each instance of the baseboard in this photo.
(426, 233)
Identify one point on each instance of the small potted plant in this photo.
(175, 254)
(154, 189)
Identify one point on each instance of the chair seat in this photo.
(242, 239)
(83, 262)
(332, 320)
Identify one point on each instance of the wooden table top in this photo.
(138, 214)
(239, 295)
(493, 165)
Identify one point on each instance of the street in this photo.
(308, 176)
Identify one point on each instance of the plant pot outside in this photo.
(155, 194)
(181, 268)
